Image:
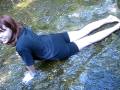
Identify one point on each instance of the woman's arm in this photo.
(31, 68)
(28, 59)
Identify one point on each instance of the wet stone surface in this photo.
(96, 67)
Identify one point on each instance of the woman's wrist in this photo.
(33, 73)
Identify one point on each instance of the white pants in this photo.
(81, 37)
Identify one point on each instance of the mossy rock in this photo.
(118, 3)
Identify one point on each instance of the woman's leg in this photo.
(74, 35)
(87, 40)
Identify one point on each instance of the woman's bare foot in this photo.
(112, 18)
(117, 26)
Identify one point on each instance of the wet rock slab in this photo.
(96, 67)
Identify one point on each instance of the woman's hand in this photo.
(28, 76)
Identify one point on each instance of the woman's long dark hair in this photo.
(9, 22)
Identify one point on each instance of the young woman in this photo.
(31, 46)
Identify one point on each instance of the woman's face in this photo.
(5, 35)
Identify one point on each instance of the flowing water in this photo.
(96, 67)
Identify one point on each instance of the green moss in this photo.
(7, 52)
(72, 8)
(118, 3)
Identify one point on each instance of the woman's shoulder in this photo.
(26, 27)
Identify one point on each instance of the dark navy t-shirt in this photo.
(31, 46)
